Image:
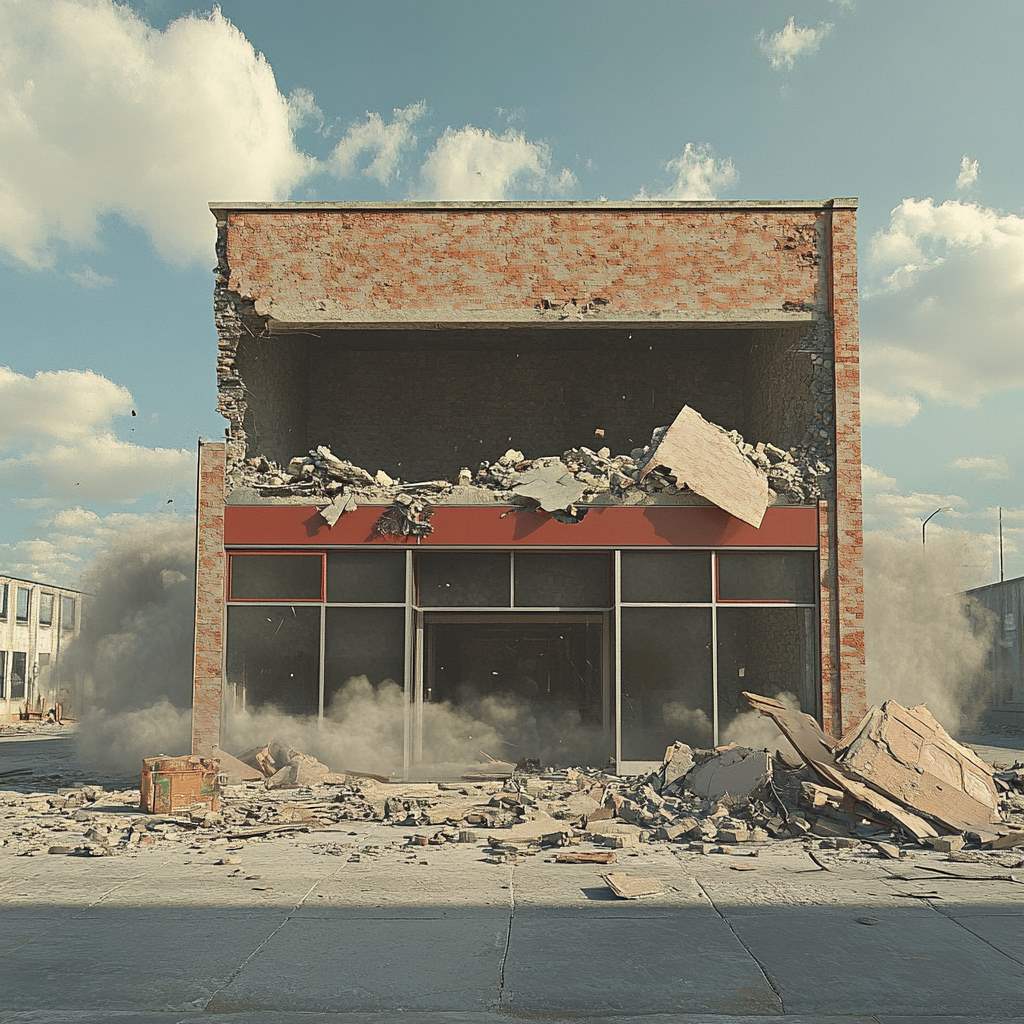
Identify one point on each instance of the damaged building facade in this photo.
(590, 470)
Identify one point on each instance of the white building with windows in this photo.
(37, 622)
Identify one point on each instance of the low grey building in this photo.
(1005, 666)
(37, 622)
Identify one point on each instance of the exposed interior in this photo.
(541, 390)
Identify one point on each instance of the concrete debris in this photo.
(632, 887)
(689, 456)
(700, 455)
(551, 485)
(735, 772)
(899, 767)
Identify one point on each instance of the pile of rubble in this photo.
(561, 485)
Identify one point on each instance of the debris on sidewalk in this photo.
(632, 887)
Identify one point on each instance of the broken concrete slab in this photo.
(235, 769)
(551, 485)
(738, 772)
(586, 857)
(701, 456)
(907, 755)
(632, 887)
(678, 760)
(342, 503)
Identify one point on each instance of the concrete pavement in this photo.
(293, 934)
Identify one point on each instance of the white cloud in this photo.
(874, 479)
(383, 141)
(950, 313)
(988, 467)
(303, 109)
(57, 404)
(968, 172)
(880, 409)
(101, 114)
(699, 174)
(73, 538)
(792, 41)
(89, 278)
(475, 164)
(56, 434)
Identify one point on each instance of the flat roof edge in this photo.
(837, 203)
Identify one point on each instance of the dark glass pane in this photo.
(46, 609)
(67, 614)
(656, 576)
(18, 674)
(363, 642)
(273, 658)
(366, 577)
(771, 651)
(463, 579)
(767, 576)
(3, 675)
(666, 680)
(276, 577)
(24, 598)
(545, 580)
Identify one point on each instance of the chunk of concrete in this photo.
(700, 456)
(551, 485)
(678, 760)
(738, 772)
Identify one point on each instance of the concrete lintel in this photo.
(423, 320)
(840, 202)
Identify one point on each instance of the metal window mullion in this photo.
(714, 646)
(617, 561)
(323, 667)
(407, 681)
(512, 579)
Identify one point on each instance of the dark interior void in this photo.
(771, 651)
(530, 683)
(667, 688)
(273, 658)
(422, 403)
(366, 642)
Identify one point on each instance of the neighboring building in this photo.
(419, 338)
(37, 622)
(1004, 684)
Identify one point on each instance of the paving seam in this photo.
(291, 913)
(970, 931)
(508, 934)
(728, 924)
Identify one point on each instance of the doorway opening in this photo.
(536, 685)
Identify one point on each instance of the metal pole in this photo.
(1001, 576)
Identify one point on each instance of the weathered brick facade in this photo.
(787, 267)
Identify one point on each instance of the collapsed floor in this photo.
(675, 461)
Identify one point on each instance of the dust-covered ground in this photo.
(354, 920)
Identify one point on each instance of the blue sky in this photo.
(117, 124)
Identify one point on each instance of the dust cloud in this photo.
(922, 646)
(132, 662)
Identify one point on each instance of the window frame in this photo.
(3, 675)
(27, 618)
(24, 676)
(68, 627)
(763, 601)
(43, 594)
(277, 553)
(5, 589)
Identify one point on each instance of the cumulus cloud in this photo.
(379, 144)
(948, 318)
(73, 538)
(988, 467)
(698, 174)
(881, 409)
(102, 114)
(472, 163)
(791, 42)
(874, 479)
(57, 434)
(968, 172)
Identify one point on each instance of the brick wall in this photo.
(208, 657)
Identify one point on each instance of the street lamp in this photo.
(924, 524)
